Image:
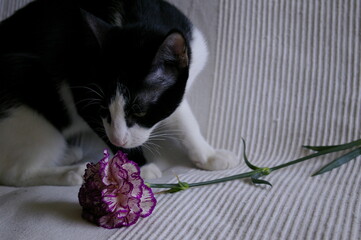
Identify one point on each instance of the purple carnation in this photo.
(113, 194)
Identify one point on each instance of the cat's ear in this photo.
(99, 27)
(174, 49)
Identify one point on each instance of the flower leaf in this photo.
(255, 179)
(337, 148)
(250, 165)
(320, 148)
(340, 146)
(260, 181)
(339, 161)
(179, 187)
(174, 188)
(182, 185)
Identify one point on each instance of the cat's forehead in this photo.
(150, 86)
(141, 96)
(135, 39)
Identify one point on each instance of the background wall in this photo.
(281, 73)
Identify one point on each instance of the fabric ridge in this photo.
(281, 74)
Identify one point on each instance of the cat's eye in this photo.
(137, 111)
(139, 114)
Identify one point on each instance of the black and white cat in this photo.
(78, 76)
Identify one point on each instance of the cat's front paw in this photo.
(75, 175)
(220, 160)
(150, 171)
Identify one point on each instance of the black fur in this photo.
(52, 41)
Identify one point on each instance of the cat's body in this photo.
(80, 76)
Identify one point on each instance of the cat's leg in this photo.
(55, 175)
(150, 171)
(32, 151)
(198, 150)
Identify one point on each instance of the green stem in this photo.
(250, 174)
(225, 179)
(198, 184)
(323, 152)
(162, 185)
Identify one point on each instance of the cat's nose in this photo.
(122, 143)
(119, 142)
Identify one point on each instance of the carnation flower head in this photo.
(113, 194)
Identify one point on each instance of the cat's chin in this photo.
(124, 145)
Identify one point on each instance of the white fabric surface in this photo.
(281, 74)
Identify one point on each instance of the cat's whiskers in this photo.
(92, 102)
(101, 92)
(164, 126)
(162, 137)
(152, 147)
(97, 99)
(165, 133)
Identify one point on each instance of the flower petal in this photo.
(111, 220)
(147, 201)
(132, 169)
(131, 219)
(134, 205)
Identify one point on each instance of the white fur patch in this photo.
(199, 56)
(34, 152)
(118, 132)
(28, 142)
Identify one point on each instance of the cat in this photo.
(78, 77)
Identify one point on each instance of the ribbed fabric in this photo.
(8, 7)
(287, 73)
(284, 74)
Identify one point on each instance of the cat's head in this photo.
(145, 75)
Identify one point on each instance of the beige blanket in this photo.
(281, 74)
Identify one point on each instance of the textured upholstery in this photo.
(281, 74)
